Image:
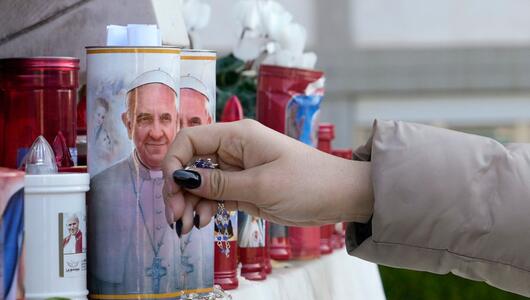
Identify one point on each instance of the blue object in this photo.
(12, 230)
(302, 118)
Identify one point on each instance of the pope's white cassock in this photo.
(132, 248)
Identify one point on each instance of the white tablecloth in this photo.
(335, 276)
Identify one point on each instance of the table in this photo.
(335, 276)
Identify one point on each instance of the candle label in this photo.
(302, 115)
(11, 233)
(137, 101)
(252, 231)
(72, 244)
(278, 231)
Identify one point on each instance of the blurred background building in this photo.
(453, 63)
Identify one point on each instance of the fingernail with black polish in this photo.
(178, 227)
(197, 221)
(187, 179)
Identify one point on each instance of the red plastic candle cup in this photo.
(326, 134)
(225, 268)
(305, 242)
(252, 266)
(38, 96)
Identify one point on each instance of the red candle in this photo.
(305, 242)
(39, 97)
(252, 267)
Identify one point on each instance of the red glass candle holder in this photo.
(252, 266)
(38, 96)
(276, 87)
(225, 268)
(75, 169)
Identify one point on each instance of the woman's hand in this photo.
(263, 173)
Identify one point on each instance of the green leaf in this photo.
(231, 81)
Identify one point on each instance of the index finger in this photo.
(193, 141)
(189, 142)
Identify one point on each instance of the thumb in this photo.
(216, 184)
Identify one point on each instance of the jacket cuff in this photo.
(446, 201)
(357, 233)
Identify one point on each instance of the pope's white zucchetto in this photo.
(154, 76)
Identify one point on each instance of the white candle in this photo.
(55, 235)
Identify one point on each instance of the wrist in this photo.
(358, 200)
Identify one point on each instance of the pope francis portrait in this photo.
(132, 248)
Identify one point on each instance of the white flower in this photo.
(274, 18)
(266, 27)
(308, 60)
(286, 58)
(196, 14)
(250, 42)
(247, 15)
(293, 38)
(249, 48)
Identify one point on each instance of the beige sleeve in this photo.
(445, 202)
